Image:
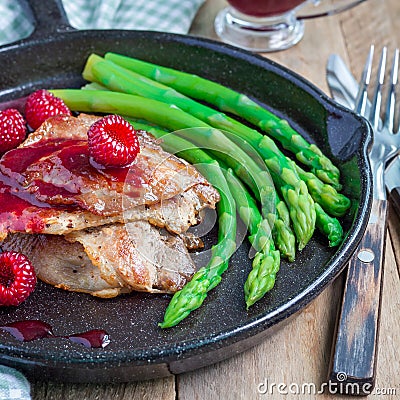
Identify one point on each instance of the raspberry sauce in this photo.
(29, 330)
(58, 174)
(19, 215)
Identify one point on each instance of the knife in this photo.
(344, 88)
(341, 82)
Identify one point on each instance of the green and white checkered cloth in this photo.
(14, 23)
(174, 16)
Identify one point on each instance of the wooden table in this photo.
(299, 353)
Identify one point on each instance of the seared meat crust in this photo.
(109, 260)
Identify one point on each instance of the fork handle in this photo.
(355, 345)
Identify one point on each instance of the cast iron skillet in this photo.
(54, 57)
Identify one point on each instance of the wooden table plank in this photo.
(308, 58)
(368, 24)
(160, 389)
(298, 354)
(394, 231)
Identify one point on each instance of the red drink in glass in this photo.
(264, 8)
(271, 25)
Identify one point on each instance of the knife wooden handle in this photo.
(395, 198)
(354, 352)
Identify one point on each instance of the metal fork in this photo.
(355, 347)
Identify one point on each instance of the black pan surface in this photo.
(54, 57)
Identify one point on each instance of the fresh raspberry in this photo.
(113, 142)
(41, 105)
(17, 278)
(12, 129)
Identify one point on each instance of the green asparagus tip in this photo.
(249, 303)
(329, 226)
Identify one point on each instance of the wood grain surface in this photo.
(298, 355)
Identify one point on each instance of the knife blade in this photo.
(344, 88)
(341, 82)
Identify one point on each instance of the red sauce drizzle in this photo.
(19, 214)
(70, 159)
(17, 160)
(29, 330)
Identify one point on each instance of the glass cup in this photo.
(271, 25)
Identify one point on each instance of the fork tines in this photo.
(362, 95)
(390, 104)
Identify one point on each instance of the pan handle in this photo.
(49, 18)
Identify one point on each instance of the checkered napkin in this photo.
(14, 23)
(157, 15)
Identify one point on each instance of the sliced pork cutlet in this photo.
(176, 214)
(109, 260)
(52, 181)
(56, 170)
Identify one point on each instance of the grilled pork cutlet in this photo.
(48, 184)
(96, 230)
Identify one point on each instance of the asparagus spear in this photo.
(325, 195)
(329, 226)
(229, 100)
(193, 294)
(266, 262)
(293, 189)
(295, 193)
